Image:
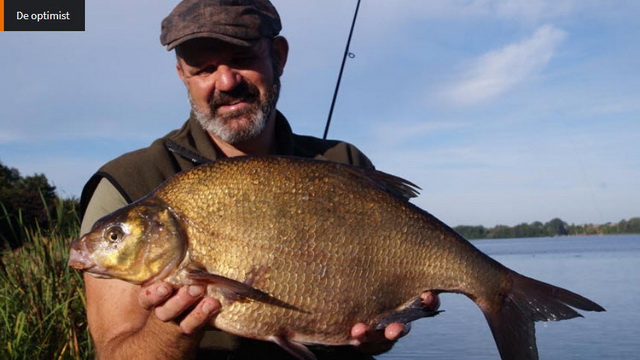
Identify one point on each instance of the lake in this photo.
(605, 269)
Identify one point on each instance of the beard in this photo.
(238, 126)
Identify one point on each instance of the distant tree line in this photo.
(30, 204)
(555, 227)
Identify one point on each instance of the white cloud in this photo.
(499, 71)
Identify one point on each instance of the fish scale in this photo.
(299, 251)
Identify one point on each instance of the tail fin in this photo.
(529, 300)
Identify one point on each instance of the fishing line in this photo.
(344, 59)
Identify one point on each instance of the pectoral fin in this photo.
(233, 290)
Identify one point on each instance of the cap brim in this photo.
(211, 35)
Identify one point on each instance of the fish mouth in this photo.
(79, 260)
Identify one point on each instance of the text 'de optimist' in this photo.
(42, 15)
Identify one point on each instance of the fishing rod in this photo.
(344, 59)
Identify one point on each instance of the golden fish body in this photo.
(298, 251)
(311, 237)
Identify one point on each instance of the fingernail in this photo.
(162, 290)
(395, 333)
(195, 291)
(207, 308)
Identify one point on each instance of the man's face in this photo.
(233, 90)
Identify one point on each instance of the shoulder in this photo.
(133, 174)
(105, 199)
(136, 173)
(140, 171)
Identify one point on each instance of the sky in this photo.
(502, 112)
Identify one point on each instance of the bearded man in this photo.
(230, 58)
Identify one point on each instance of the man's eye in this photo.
(243, 61)
(206, 70)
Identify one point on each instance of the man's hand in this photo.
(188, 306)
(375, 342)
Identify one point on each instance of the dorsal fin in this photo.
(390, 183)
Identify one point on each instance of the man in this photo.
(230, 58)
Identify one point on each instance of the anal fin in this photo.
(414, 311)
(297, 350)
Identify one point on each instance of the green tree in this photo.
(25, 202)
(633, 225)
(472, 232)
(501, 232)
(556, 227)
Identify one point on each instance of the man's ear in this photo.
(280, 52)
(179, 70)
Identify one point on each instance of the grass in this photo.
(42, 304)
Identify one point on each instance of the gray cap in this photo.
(239, 22)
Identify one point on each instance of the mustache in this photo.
(244, 91)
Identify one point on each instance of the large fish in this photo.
(298, 251)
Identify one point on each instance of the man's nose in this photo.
(226, 78)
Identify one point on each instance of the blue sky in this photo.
(503, 112)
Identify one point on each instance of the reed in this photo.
(42, 304)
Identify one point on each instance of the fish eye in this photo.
(114, 233)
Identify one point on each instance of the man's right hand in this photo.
(187, 306)
(128, 322)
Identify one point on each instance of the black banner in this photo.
(44, 15)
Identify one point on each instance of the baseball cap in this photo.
(239, 22)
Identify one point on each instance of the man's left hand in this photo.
(375, 342)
